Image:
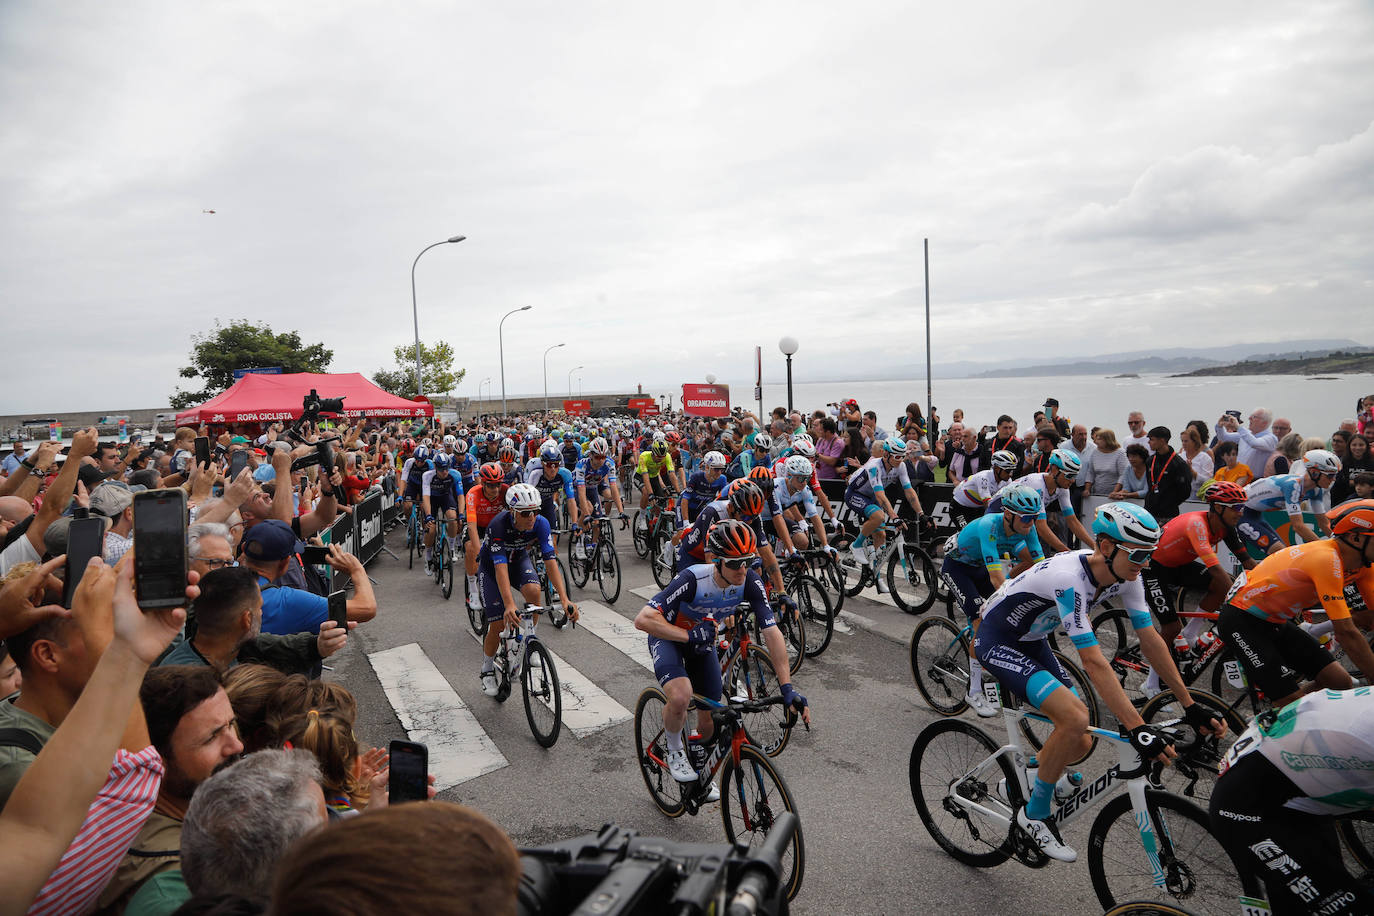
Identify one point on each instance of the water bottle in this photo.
(696, 751)
(1204, 642)
(1181, 646)
(1064, 787)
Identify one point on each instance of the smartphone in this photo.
(314, 555)
(85, 539)
(409, 772)
(160, 548)
(203, 450)
(237, 462)
(338, 608)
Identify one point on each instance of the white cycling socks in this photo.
(975, 677)
(674, 740)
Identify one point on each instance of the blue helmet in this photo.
(550, 452)
(1127, 523)
(895, 446)
(1067, 462)
(1022, 500)
(442, 462)
(422, 453)
(492, 437)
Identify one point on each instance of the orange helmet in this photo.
(745, 498)
(1353, 517)
(1226, 493)
(762, 476)
(507, 455)
(729, 539)
(491, 473)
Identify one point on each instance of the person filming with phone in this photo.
(267, 549)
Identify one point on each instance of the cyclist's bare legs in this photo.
(679, 694)
(531, 593)
(1069, 740)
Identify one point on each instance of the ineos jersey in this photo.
(694, 596)
(1057, 592)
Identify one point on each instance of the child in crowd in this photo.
(1231, 469)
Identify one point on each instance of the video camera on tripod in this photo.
(616, 872)
(312, 406)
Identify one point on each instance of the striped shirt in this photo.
(114, 819)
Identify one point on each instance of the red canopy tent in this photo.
(265, 398)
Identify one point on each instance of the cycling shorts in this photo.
(441, 500)
(1162, 584)
(970, 585)
(1027, 669)
(594, 497)
(1255, 530)
(1271, 653)
(411, 492)
(698, 663)
(861, 503)
(520, 568)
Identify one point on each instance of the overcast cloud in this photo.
(670, 185)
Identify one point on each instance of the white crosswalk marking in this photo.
(617, 631)
(586, 707)
(432, 713)
(646, 591)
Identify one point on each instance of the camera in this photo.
(616, 872)
(314, 405)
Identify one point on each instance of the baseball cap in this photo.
(239, 440)
(110, 500)
(269, 541)
(264, 473)
(90, 475)
(1050, 402)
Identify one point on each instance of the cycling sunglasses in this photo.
(1140, 555)
(739, 563)
(526, 513)
(1027, 519)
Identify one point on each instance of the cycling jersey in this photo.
(692, 547)
(572, 453)
(562, 480)
(1037, 483)
(780, 471)
(586, 475)
(1190, 537)
(504, 541)
(742, 464)
(700, 491)
(466, 469)
(652, 466)
(784, 498)
(1294, 579)
(482, 510)
(694, 596)
(986, 541)
(1283, 491)
(1060, 591)
(874, 477)
(443, 492)
(978, 489)
(513, 473)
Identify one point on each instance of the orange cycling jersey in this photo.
(1289, 582)
(1189, 537)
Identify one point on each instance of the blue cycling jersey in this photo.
(785, 498)
(585, 475)
(503, 541)
(694, 596)
(700, 490)
(1283, 491)
(985, 541)
(694, 541)
(548, 486)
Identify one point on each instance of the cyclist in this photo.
(655, 466)
(487, 449)
(551, 479)
(485, 502)
(747, 460)
(504, 562)
(1186, 558)
(413, 473)
(572, 450)
(743, 502)
(805, 446)
(704, 485)
(509, 459)
(441, 493)
(972, 495)
(791, 497)
(1054, 485)
(865, 495)
(1261, 614)
(595, 479)
(681, 622)
(1286, 492)
(1284, 780)
(464, 465)
(972, 567)
(1061, 592)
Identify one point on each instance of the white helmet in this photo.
(508, 442)
(523, 496)
(1004, 460)
(797, 466)
(532, 430)
(597, 446)
(763, 440)
(450, 439)
(713, 460)
(660, 437)
(799, 437)
(804, 447)
(1320, 461)
(668, 427)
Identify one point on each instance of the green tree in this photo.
(244, 345)
(436, 370)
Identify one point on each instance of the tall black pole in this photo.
(789, 383)
(931, 432)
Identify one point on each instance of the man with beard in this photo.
(191, 724)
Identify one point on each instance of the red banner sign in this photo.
(706, 400)
(644, 407)
(577, 408)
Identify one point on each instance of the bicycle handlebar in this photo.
(760, 878)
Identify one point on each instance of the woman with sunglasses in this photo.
(681, 622)
(973, 570)
(1060, 593)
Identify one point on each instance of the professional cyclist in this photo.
(681, 622)
(743, 502)
(551, 479)
(1053, 485)
(1060, 593)
(1186, 558)
(655, 466)
(805, 446)
(509, 459)
(485, 502)
(504, 562)
(704, 485)
(972, 567)
(441, 493)
(865, 495)
(1286, 777)
(792, 496)
(1261, 614)
(748, 459)
(487, 449)
(1286, 492)
(596, 480)
(972, 495)
(464, 465)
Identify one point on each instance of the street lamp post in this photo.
(486, 381)
(546, 376)
(501, 346)
(570, 372)
(788, 345)
(415, 311)
(710, 379)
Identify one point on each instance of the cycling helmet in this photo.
(450, 439)
(598, 446)
(442, 463)
(802, 437)
(569, 435)
(763, 441)
(1225, 493)
(491, 473)
(895, 446)
(659, 447)
(460, 445)
(1004, 460)
(762, 476)
(1320, 461)
(745, 498)
(1353, 517)
(506, 455)
(551, 453)
(407, 446)
(668, 427)
(1126, 524)
(713, 460)
(422, 453)
(508, 442)
(492, 437)
(532, 430)
(798, 466)
(1069, 463)
(730, 539)
(523, 496)
(674, 438)
(804, 448)
(1022, 500)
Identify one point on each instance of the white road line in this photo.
(432, 713)
(616, 631)
(646, 591)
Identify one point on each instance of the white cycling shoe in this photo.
(1046, 836)
(979, 703)
(490, 685)
(712, 794)
(680, 766)
(859, 555)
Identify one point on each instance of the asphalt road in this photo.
(866, 850)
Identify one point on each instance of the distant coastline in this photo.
(1337, 363)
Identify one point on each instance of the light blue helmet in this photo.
(1067, 462)
(1022, 500)
(1127, 523)
(895, 446)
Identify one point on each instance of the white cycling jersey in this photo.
(1059, 591)
(979, 489)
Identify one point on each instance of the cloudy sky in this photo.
(669, 185)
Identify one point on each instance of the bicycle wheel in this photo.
(752, 795)
(651, 751)
(477, 617)
(412, 542)
(953, 761)
(579, 566)
(1116, 637)
(855, 576)
(446, 574)
(1198, 872)
(608, 571)
(437, 560)
(912, 578)
(1145, 908)
(817, 616)
(832, 576)
(557, 617)
(1036, 731)
(753, 677)
(793, 629)
(639, 533)
(939, 665)
(1196, 770)
(1357, 836)
(660, 560)
(543, 699)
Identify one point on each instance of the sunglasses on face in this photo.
(1027, 519)
(738, 564)
(1140, 555)
(526, 513)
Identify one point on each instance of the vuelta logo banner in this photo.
(645, 407)
(706, 400)
(577, 408)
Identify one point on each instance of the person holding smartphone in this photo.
(267, 548)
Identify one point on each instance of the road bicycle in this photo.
(591, 554)
(443, 558)
(414, 535)
(817, 624)
(752, 791)
(1144, 845)
(523, 654)
(747, 671)
(552, 600)
(911, 575)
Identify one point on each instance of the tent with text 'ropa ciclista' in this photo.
(267, 398)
